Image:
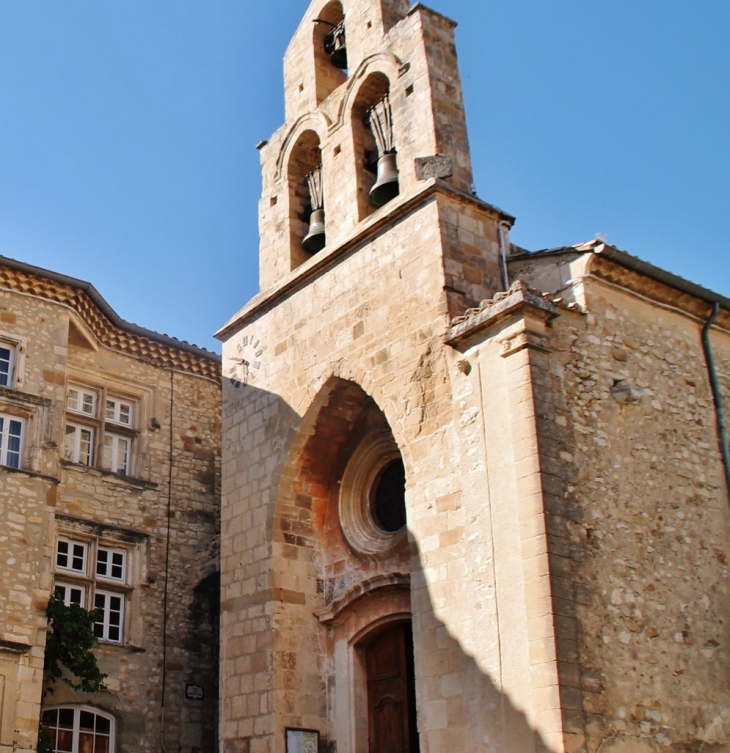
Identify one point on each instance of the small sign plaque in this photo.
(194, 693)
(302, 740)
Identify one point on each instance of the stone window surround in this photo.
(92, 584)
(376, 450)
(97, 537)
(104, 390)
(35, 413)
(17, 346)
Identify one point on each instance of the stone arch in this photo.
(385, 63)
(313, 564)
(327, 76)
(333, 426)
(313, 121)
(351, 372)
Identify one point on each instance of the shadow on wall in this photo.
(286, 547)
(460, 707)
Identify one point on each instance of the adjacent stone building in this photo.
(473, 497)
(109, 496)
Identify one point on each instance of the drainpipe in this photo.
(716, 394)
(503, 253)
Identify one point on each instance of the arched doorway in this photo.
(391, 691)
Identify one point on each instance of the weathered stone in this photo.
(438, 166)
(60, 337)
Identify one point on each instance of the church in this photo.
(454, 495)
(473, 498)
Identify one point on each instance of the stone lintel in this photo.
(96, 528)
(54, 480)
(21, 400)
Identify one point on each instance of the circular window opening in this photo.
(388, 497)
(372, 502)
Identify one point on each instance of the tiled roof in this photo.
(107, 326)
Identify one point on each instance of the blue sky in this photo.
(128, 133)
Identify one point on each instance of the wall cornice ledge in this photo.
(375, 225)
(491, 313)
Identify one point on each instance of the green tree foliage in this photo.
(44, 740)
(68, 648)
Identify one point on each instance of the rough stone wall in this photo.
(140, 505)
(650, 543)
(27, 514)
(27, 501)
(49, 495)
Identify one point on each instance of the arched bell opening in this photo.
(306, 198)
(330, 49)
(374, 144)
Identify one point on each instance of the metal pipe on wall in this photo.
(716, 394)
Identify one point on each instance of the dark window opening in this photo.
(388, 497)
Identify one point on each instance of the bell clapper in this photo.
(380, 120)
(315, 239)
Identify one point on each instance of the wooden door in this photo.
(391, 692)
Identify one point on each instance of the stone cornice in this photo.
(476, 321)
(105, 325)
(614, 272)
(375, 225)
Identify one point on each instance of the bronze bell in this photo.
(336, 46)
(315, 239)
(386, 183)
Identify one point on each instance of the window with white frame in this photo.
(7, 363)
(70, 593)
(79, 729)
(99, 429)
(81, 400)
(94, 588)
(11, 440)
(119, 411)
(71, 555)
(111, 564)
(116, 453)
(79, 444)
(110, 608)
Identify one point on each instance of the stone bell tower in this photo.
(360, 557)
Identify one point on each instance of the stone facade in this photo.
(101, 473)
(563, 566)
